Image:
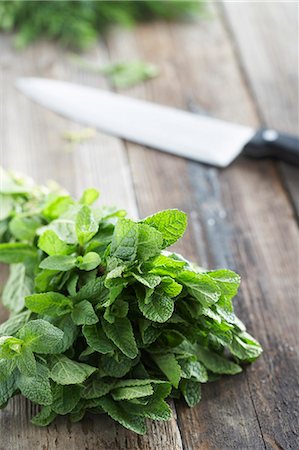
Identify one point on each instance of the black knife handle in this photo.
(267, 143)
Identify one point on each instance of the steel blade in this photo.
(197, 137)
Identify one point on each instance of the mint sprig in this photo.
(103, 318)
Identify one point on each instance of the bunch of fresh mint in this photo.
(103, 319)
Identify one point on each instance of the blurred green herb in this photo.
(77, 24)
(120, 74)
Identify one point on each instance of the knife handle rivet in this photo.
(270, 135)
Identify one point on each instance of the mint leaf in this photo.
(114, 410)
(18, 286)
(16, 252)
(65, 398)
(44, 417)
(116, 366)
(83, 314)
(89, 196)
(26, 362)
(60, 262)
(200, 286)
(56, 207)
(7, 389)
(150, 242)
(41, 336)
(125, 240)
(191, 391)
(24, 228)
(217, 363)
(169, 366)
(121, 334)
(86, 225)
(158, 308)
(65, 371)
(36, 388)
(51, 303)
(171, 224)
(14, 323)
(97, 339)
(89, 261)
(96, 387)
(132, 392)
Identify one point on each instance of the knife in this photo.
(208, 140)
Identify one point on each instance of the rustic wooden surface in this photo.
(241, 65)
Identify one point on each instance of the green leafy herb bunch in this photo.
(103, 318)
(77, 24)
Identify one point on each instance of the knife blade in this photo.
(208, 140)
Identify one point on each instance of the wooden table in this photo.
(239, 64)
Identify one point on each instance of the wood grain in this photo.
(266, 39)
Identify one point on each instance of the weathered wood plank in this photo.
(31, 142)
(266, 39)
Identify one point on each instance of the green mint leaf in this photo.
(16, 252)
(216, 363)
(83, 314)
(125, 240)
(65, 398)
(200, 286)
(96, 387)
(228, 282)
(10, 347)
(121, 334)
(58, 206)
(7, 389)
(116, 412)
(41, 336)
(171, 287)
(164, 265)
(191, 391)
(86, 225)
(89, 261)
(126, 74)
(116, 368)
(50, 303)
(6, 369)
(70, 331)
(171, 224)
(60, 262)
(26, 362)
(89, 196)
(245, 347)
(132, 392)
(65, 229)
(169, 366)
(51, 244)
(150, 242)
(44, 417)
(18, 286)
(93, 290)
(191, 368)
(149, 280)
(36, 388)
(158, 308)
(65, 371)
(14, 323)
(24, 228)
(97, 339)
